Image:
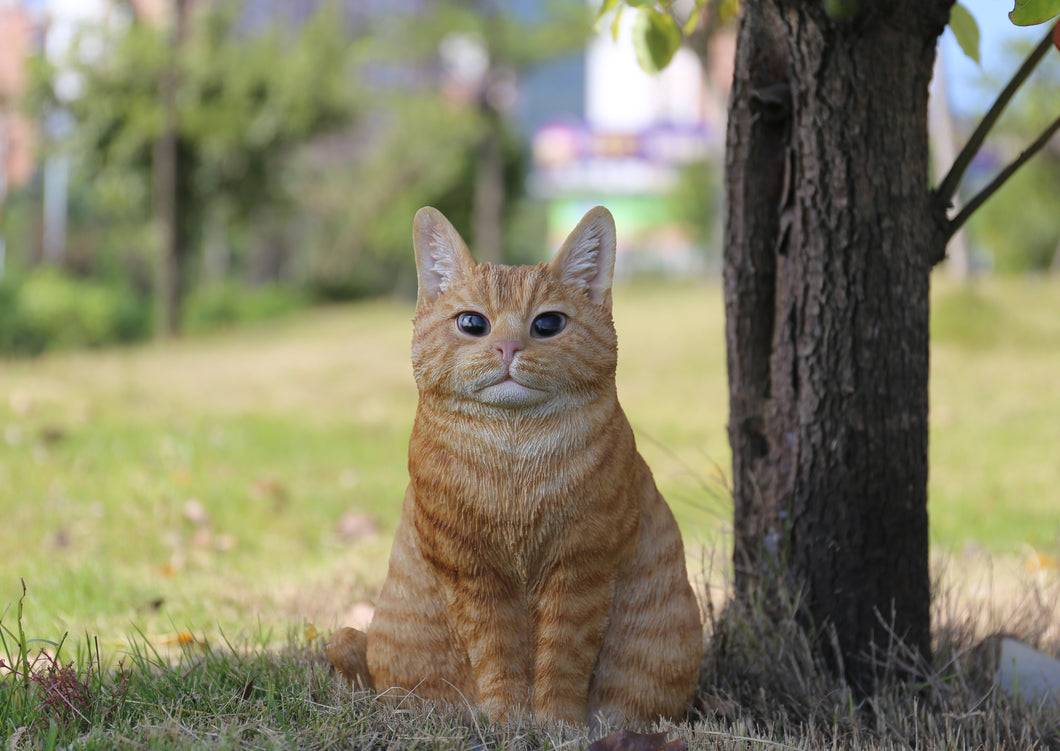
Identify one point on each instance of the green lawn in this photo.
(202, 485)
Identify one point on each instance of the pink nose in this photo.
(508, 348)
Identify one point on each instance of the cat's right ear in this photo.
(587, 259)
(442, 257)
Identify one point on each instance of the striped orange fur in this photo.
(536, 567)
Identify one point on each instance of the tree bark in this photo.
(829, 240)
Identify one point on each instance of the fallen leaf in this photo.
(627, 740)
(1040, 561)
(52, 434)
(225, 542)
(265, 488)
(201, 538)
(181, 638)
(353, 526)
(21, 403)
(195, 512)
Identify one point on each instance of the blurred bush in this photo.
(696, 202)
(225, 303)
(1018, 226)
(48, 309)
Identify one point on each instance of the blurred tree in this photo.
(212, 113)
(301, 153)
(485, 48)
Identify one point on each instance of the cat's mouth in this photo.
(509, 392)
(512, 381)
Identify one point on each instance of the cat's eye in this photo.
(473, 324)
(548, 324)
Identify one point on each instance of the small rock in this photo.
(1027, 674)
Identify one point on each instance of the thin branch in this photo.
(948, 187)
(969, 208)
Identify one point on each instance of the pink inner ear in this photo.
(442, 257)
(580, 264)
(586, 260)
(445, 265)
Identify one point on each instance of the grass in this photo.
(198, 492)
(763, 686)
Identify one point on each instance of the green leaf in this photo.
(964, 27)
(640, 3)
(694, 18)
(1033, 12)
(728, 9)
(656, 38)
(616, 24)
(606, 7)
(841, 10)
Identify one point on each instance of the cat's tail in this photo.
(348, 652)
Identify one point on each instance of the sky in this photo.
(967, 95)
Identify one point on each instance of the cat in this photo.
(536, 568)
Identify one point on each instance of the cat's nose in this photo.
(508, 348)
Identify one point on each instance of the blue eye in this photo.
(548, 324)
(473, 324)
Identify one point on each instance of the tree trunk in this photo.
(487, 212)
(830, 237)
(166, 176)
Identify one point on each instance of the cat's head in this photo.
(534, 338)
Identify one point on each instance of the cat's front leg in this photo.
(488, 608)
(573, 603)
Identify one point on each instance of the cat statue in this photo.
(536, 570)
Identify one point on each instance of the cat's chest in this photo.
(502, 489)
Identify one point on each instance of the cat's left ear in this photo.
(587, 259)
(442, 257)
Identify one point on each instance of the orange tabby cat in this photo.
(536, 567)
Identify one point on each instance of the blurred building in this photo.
(626, 144)
(16, 133)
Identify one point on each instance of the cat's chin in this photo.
(510, 393)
